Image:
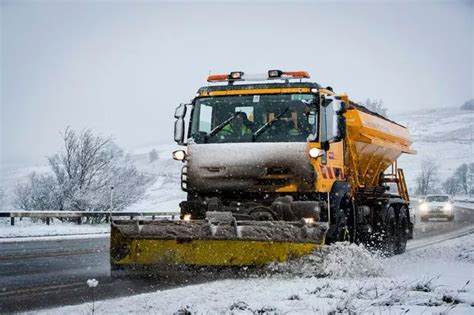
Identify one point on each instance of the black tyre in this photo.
(424, 219)
(390, 238)
(451, 218)
(402, 235)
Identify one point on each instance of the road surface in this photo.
(41, 274)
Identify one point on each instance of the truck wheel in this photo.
(424, 219)
(402, 238)
(451, 218)
(390, 238)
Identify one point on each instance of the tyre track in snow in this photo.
(414, 245)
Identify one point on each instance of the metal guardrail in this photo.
(49, 214)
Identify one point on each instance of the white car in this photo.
(436, 206)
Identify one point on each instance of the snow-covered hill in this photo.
(165, 193)
(442, 135)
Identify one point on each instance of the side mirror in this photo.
(333, 125)
(179, 131)
(180, 111)
(179, 125)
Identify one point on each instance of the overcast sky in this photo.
(120, 68)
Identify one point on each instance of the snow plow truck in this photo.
(274, 167)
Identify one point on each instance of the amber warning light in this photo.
(271, 75)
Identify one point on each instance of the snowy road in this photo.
(42, 274)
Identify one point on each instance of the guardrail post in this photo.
(47, 220)
(12, 221)
(153, 217)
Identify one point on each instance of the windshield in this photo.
(437, 198)
(254, 118)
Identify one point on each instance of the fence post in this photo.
(12, 221)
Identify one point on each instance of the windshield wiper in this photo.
(220, 126)
(268, 124)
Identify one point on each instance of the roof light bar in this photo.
(297, 74)
(236, 75)
(217, 77)
(271, 75)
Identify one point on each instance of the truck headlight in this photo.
(448, 207)
(315, 152)
(424, 207)
(179, 155)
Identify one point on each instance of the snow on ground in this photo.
(343, 278)
(165, 193)
(443, 135)
(27, 227)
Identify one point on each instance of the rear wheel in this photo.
(390, 238)
(401, 242)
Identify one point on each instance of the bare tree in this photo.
(451, 186)
(39, 192)
(461, 174)
(426, 181)
(82, 175)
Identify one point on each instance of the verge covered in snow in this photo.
(27, 228)
(342, 278)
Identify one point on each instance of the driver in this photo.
(238, 127)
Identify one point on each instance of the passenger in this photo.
(292, 130)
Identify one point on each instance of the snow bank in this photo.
(341, 260)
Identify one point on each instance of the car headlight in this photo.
(424, 207)
(448, 207)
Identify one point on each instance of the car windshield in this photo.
(254, 118)
(437, 198)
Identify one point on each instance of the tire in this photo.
(390, 239)
(337, 232)
(402, 235)
(451, 218)
(424, 219)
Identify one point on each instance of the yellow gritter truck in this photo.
(275, 166)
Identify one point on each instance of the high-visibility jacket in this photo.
(229, 130)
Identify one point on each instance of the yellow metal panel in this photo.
(256, 91)
(373, 144)
(289, 188)
(326, 173)
(212, 252)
